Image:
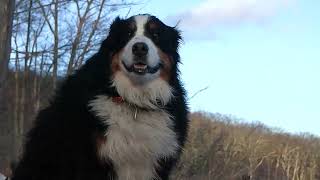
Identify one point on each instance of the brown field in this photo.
(220, 148)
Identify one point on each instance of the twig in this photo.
(199, 91)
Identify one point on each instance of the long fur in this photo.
(81, 135)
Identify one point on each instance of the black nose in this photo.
(140, 49)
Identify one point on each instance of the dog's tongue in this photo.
(139, 67)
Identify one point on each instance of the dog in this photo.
(122, 115)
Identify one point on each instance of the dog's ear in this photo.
(173, 39)
(110, 44)
(176, 36)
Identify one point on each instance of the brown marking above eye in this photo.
(153, 25)
(154, 29)
(131, 28)
(131, 25)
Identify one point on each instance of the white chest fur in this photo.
(134, 144)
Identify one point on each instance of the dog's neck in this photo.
(117, 99)
(120, 100)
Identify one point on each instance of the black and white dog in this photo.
(123, 115)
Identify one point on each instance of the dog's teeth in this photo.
(140, 67)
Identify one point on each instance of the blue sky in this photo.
(260, 59)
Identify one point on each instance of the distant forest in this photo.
(222, 148)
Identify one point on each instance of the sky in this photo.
(260, 59)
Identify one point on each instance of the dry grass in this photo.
(220, 148)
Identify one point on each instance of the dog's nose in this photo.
(140, 49)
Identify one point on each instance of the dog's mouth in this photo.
(142, 68)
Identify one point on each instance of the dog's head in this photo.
(143, 59)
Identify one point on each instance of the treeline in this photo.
(221, 148)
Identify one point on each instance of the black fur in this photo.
(62, 143)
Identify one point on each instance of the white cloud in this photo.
(212, 12)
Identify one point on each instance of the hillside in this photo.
(220, 148)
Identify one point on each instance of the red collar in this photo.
(117, 99)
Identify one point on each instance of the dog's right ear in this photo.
(110, 44)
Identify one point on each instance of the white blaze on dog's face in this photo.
(144, 60)
(140, 59)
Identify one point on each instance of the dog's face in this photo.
(144, 57)
(145, 48)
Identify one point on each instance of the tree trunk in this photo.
(56, 45)
(6, 14)
(16, 105)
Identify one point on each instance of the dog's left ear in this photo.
(110, 44)
(176, 35)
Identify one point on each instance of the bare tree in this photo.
(51, 39)
(6, 14)
(84, 36)
(55, 31)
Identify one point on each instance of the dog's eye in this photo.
(130, 33)
(155, 35)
